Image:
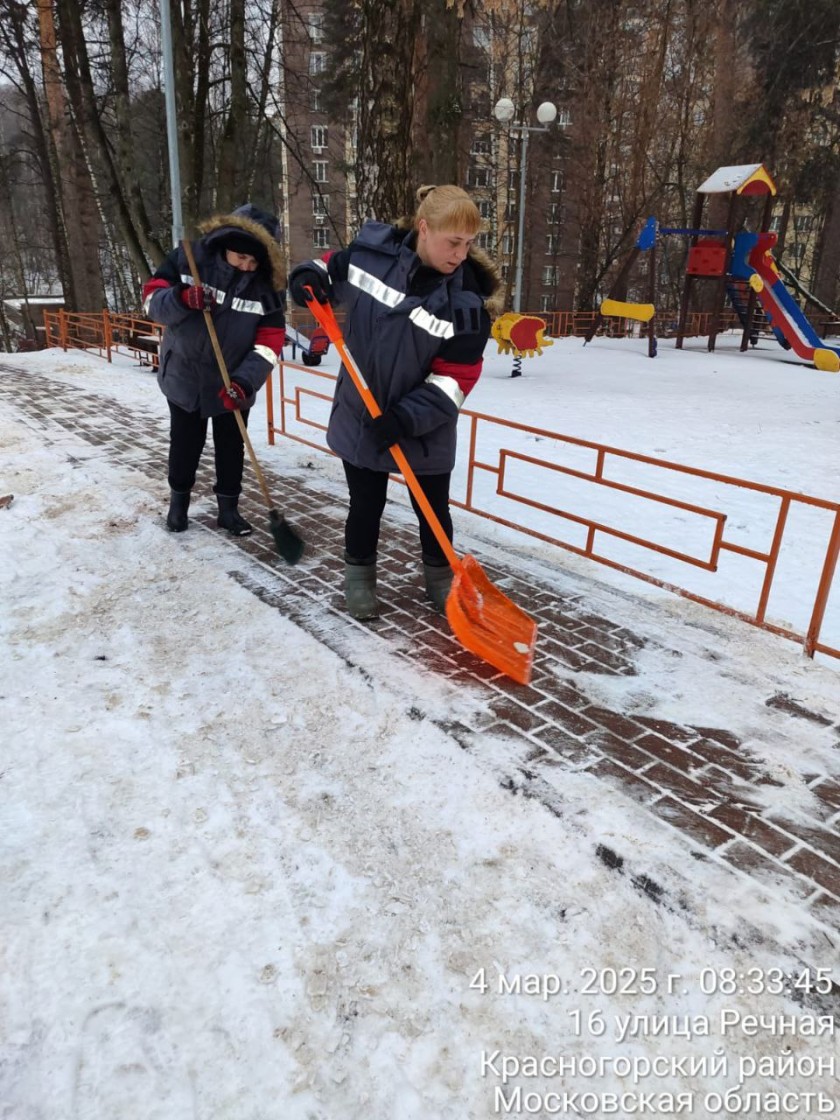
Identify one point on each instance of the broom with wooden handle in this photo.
(289, 544)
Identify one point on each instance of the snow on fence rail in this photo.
(759, 553)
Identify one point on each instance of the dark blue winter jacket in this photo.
(248, 315)
(418, 337)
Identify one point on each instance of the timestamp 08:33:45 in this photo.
(765, 981)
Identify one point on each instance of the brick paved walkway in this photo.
(701, 782)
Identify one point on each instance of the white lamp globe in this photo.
(503, 110)
(546, 113)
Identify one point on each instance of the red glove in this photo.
(235, 397)
(201, 298)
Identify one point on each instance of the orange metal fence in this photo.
(698, 517)
(502, 480)
(104, 332)
(562, 324)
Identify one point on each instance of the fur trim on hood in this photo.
(490, 281)
(239, 223)
(485, 270)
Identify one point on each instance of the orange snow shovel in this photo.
(483, 620)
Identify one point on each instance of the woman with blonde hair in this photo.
(417, 325)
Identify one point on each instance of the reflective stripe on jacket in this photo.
(248, 318)
(395, 337)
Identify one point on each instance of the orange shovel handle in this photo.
(325, 315)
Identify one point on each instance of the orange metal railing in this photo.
(503, 480)
(104, 332)
(563, 324)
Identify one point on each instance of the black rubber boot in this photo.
(438, 579)
(179, 502)
(230, 517)
(360, 588)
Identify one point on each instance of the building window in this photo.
(550, 244)
(564, 118)
(510, 211)
(485, 208)
(317, 62)
(556, 182)
(321, 238)
(480, 147)
(482, 241)
(505, 271)
(315, 105)
(507, 245)
(315, 25)
(320, 205)
(479, 177)
(513, 181)
(545, 303)
(549, 275)
(318, 135)
(319, 170)
(803, 223)
(553, 215)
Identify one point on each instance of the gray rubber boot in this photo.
(438, 579)
(230, 518)
(360, 590)
(179, 502)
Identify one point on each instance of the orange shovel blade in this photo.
(489, 624)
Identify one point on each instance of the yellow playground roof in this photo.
(743, 178)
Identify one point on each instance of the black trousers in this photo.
(187, 436)
(368, 490)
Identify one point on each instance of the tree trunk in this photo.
(439, 108)
(724, 99)
(124, 146)
(15, 40)
(95, 143)
(64, 152)
(827, 270)
(595, 39)
(386, 108)
(191, 51)
(232, 165)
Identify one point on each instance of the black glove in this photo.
(304, 277)
(387, 429)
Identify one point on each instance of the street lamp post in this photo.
(504, 112)
(171, 121)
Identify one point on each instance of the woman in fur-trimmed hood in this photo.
(241, 270)
(417, 323)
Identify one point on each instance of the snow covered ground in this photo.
(243, 880)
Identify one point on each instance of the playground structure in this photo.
(640, 312)
(740, 265)
(521, 335)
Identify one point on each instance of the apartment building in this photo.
(318, 189)
(317, 194)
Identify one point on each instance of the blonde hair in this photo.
(447, 208)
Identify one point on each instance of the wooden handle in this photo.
(220, 359)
